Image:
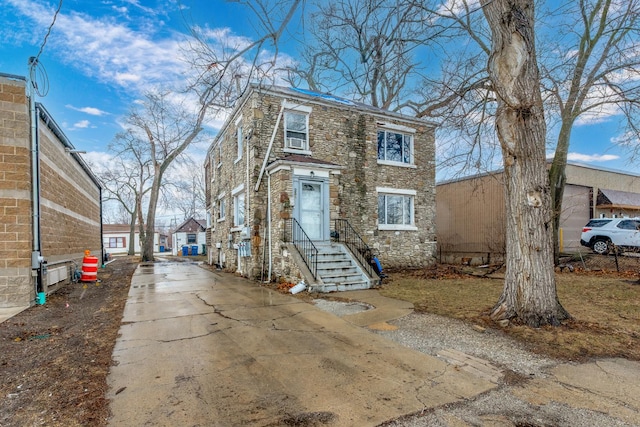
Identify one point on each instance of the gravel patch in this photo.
(430, 334)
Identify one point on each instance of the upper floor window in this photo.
(296, 130)
(395, 147)
(239, 142)
(239, 138)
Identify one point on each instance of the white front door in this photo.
(311, 209)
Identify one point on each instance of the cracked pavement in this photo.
(202, 348)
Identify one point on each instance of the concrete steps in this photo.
(337, 270)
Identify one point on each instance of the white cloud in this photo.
(578, 157)
(109, 50)
(88, 110)
(82, 124)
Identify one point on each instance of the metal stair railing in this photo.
(345, 233)
(294, 233)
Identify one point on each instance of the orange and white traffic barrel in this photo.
(89, 268)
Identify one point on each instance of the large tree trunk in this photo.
(132, 234)
(529, 294)
(154, 193)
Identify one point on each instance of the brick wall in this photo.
(70, 203)
(16, 286)
(69, 199)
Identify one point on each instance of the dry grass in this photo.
(605, 310)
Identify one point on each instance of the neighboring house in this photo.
(50, 202)
(190, 234)
(307, 185)
(470, 211)
(116, 238)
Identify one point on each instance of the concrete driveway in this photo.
(198, 348)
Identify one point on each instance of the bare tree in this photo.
(168, 124)
(165, 128)
(365, 48)
(127, 182)
(591, 69)
(185, 192)
(529, 293)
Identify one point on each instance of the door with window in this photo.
(312, 208)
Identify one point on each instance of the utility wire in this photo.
(44, 42)
(37, 73)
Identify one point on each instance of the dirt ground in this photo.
(54, 358)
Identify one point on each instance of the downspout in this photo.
(36, 257)
(102, 252)
(269, 222)
(273, 137)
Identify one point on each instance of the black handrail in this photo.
(294, 233)
(345, 233)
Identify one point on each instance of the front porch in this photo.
(344, 263)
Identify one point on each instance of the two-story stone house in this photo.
(307, 185)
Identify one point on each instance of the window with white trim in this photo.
(222, 208)
(239, 141)
(296, 130)
(396, 209)
(238, 210)
(117, 242)
(219, 154)
(395, 147)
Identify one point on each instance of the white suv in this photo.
(600, 234)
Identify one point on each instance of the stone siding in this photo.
(346, 137)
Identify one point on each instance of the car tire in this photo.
(601, 246)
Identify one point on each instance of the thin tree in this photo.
(127, 180)
(529, 293)
(169, 125)
(165, 128)
(592, 69)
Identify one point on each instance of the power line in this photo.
(44, 42)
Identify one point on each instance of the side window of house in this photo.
(238, 210)
(117, 242)
(222, 210)
(396, 210)
(239, 138)
(395, 147)
(296, 130)
(191, 238)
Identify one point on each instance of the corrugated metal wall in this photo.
(470, 218)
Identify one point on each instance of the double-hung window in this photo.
(396, 209)
(296, 130)
(239, 138)
(296, 127)
(238, 206)
(117, 242)
(222, 208)
(395, 147)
